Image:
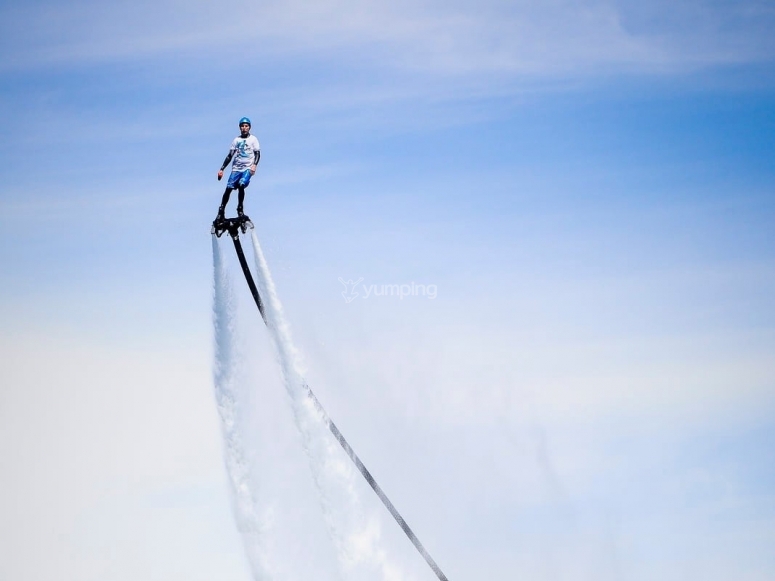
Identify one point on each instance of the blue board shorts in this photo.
(239, 179)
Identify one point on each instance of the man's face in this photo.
(244, 128)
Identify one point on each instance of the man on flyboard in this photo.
(245, 151)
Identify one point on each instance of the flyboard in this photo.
(240, 225)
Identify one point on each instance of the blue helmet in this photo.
(245, 120)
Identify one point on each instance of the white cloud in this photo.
(512, 38)
(90, 435)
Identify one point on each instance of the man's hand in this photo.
(220, 174)
(253, 169)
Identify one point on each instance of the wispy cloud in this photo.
(494, 37)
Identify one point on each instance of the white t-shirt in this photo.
(243, 149)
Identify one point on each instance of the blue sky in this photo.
(589, 185)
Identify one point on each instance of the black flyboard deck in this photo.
(241, 224)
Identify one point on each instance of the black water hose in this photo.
(335, 431)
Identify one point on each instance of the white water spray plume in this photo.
(356, 536)
(225, 375)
